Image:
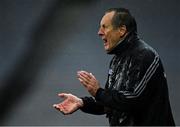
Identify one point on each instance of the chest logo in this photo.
(110, 71)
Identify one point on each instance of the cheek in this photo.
(113, 40)
(115, 37)
(109, 36)
(112, 37)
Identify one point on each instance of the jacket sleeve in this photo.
(92, 107)
(139, 72)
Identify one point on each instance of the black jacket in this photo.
(136, 91)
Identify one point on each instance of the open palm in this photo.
(70, 104)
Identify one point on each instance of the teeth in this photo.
(104, 40)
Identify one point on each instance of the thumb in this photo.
(63, 95)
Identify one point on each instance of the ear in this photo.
(122, 30)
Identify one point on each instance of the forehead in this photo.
(107, 18)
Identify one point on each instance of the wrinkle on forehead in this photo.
(107, 18)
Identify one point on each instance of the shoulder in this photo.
(142, 54)
(144, 51)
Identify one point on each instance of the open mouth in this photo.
(105, 42)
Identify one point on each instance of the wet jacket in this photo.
(136, 92)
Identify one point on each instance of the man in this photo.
(136, 91)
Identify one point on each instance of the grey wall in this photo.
(43, 43)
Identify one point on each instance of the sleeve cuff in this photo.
(99, 94)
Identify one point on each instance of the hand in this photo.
(89, 81)
(70, 104)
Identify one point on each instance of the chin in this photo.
(107, 50)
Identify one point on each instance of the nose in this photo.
(100, 32)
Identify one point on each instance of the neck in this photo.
(124, 43)
(121, 40)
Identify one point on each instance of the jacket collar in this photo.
(125, 44)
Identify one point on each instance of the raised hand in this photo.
(89, 81)
(70, 104)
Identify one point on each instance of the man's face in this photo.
(109, 35)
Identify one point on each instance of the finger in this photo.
(80, 80)
(83, 80)
(84, 77)
(59, 107)
(88, 75)
(92, 75)
(85, 84)
(60, 110)
(87, 80)
(63, 95)
(82, 71)
(55, 106)
(63, 110)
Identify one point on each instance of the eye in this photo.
(103, 26)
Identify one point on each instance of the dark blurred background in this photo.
(43, 43)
